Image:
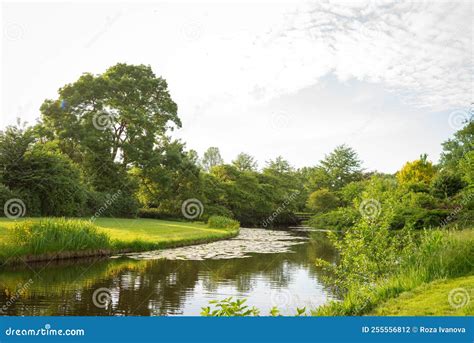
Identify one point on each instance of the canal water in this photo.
(269, 271)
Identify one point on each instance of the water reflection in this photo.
(162, 287)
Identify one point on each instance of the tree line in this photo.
(110, 132)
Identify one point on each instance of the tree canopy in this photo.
(211, 158)
(120, 114)
(337, 169)
(244, 162)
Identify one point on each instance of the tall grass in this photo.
(440, 255)
(53, 236)
(221, 222)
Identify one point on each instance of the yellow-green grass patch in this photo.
(453, 297)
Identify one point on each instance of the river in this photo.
(268, 267)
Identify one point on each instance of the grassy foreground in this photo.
(452, 297)
(41, 239)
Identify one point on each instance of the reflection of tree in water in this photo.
(146, 288)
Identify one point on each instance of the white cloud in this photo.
(232, 66)
(422, 50)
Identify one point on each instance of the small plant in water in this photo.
(229, 308)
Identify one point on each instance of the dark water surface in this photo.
(166, 287)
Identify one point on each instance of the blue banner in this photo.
(235, 329)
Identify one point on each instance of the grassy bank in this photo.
(453, 297)
(442, 255)
(43, 239)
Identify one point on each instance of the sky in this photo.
(392, 79)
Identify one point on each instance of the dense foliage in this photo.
(102, 148)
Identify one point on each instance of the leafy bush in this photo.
(322, 200)
(49, 179)
(219, 222)
(421, 200)
(446, 184)
(418, 218)
(435, 255)
(284, 219)
(415, 187)
(367, 251)
(418, 171)
(112, 204)
(5, 195)
(352, 191)
(216, 210)
(229, 308)
(337, 220)
(126, 206)
(467, 166)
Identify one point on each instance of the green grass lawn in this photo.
(432, 299)
(137, 234)
(146, 234)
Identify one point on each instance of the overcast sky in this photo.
(391, 79)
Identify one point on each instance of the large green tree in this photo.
(119, 115)
(337, 169)
(211, 158)
(244, 162)
(454, 149)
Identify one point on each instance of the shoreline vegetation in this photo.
(438, 256)
(46, 239)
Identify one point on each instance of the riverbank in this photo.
(40, 239)
(442, 263)
(453, 297)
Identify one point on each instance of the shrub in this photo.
(5, 195)
(220, 222)
(435, 255)
(322, 200)
(50, 183)
(125, 207)
(229, 308)
(216, 210)
(467, 167)
(421, 200)
(112, 204)
(352, 191)
(337, 220)
(284, 219)
(415, 187)
(418, 218)
(446, 184)
(237, 308)
(418, 171)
